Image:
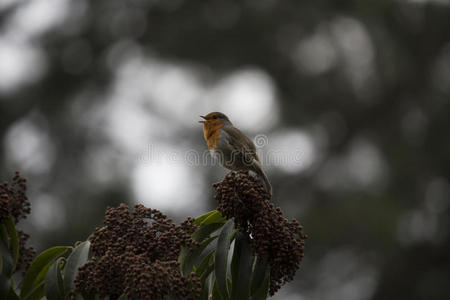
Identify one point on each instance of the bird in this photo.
(234, 150)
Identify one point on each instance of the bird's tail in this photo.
(260, 172)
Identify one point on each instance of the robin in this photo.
(235, 150)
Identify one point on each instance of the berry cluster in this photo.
(14, 202)
(137, 254)
(243, 197)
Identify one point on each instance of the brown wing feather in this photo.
(245, 145)
(240, 141)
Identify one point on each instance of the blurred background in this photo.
(99, 103)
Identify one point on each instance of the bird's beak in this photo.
(203, 118)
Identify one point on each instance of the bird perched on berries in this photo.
(235, 150)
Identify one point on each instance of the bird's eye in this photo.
(215, 117)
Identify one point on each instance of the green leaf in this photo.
(216, 295)
(201, 218)
(205, 231)
(188, 257)
(241, 267)
(38, 269)
(263, 290)
(123, 297)
(78, 296)
(38, 292)
(229, 284)
(207, 275)
(206, 283)
(208, 271)
(4, 234)
(205, 263)
(259, 273)
(7, 260)
(14, 240)
(4, 286)
(93, 297)
(216, 217)
(221, 257)
(12, 295)
(77, 258)
(54, 288)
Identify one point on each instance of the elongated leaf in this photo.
(188, 257)
(201, 218)
(4, 286)
(77, 258)
(38, 290)
(93, 297)
(38, 269)
(13, 240)
(12, 294)
(206, 284)
(207, 275)
(80, 297)
(205, 231)
(199, 235)
(7, 260)
(229, 284)
(259, 273)
(4, 234)
(221, 257)
(54, 288)
(241, 267)
(205, 263)
(207, 272)
(262, 291)
(216, 295)
(216, 217)
(37, 293)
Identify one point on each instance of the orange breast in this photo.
(211, 132)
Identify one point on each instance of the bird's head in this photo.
(214, 119)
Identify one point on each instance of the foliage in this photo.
(136, 247)
(144, 255)
(242, 197)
